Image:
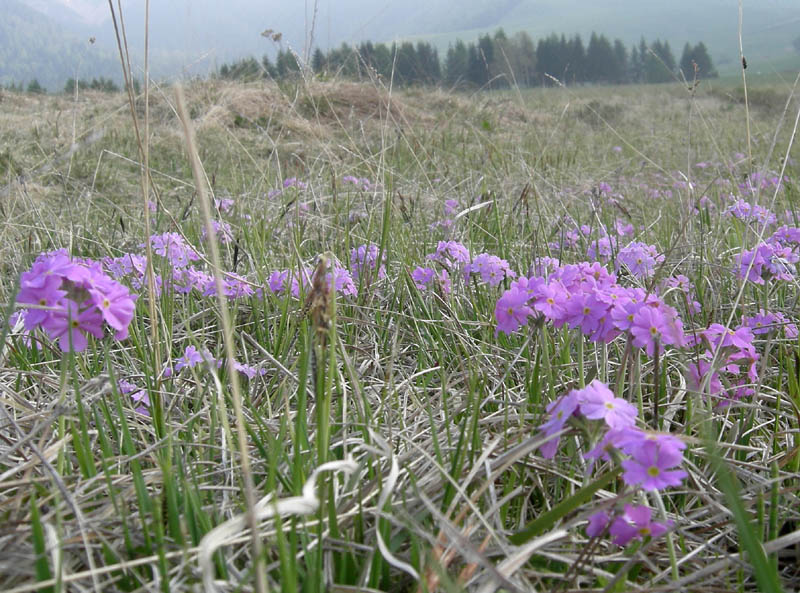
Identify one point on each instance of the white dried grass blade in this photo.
(264, 509)
(472, 209)
(388, 488)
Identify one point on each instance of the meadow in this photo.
(537, 340)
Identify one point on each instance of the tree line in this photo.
(493, 61)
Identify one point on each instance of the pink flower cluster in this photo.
(640, 259)
(650, 459)
(735, 365)
(758, 181)
(775, 258)
(363, 260)
(747, 212)
(362, 183)
(73, 298)
(193, 357)
(454, 256)
(586, 296)
(173, 247)
(339, 279)
(222, 230)
(287, 183)
(428, 278)
(489, 269)
(764, 323)
(457, 261)
(635, 522)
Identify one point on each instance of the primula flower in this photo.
(450, 254)
(222, 230)
(647, 329)
(721, 337)
(559, 411)
(650, 463)
(172, 246)
(764, 322)
(696, 377)
(423, 277)
(598, 402)
(73, 298)
(139, 396)
(115, 303)
(70, 325)
(364, 258)
(640, 259)
(585, 311)
(635, 523)
(603, 248)
(490, 268)
(190, 359)
(598, 523)
(552, 300)
(512, 311)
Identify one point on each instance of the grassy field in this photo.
(382, 366)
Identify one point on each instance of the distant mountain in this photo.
(34, 46)
(196, 36)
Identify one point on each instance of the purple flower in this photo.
(190, 359)
(512, 311)
(115, 303)
(70, 325)
(222, 230)
(224, 204)
(598, 402)
(648, 328)
(450, 254)
(598, 523)
(559, 411)
(294, 182)
(340, 280)
(363, 259)
(585, 311)
(640, 259)
(635, 523)
(490, 268)
(450, 206)
(423, 277)
(73, 297)
(552, 301)
(603, 248)
(139, 396)
(764, 323)
(172, 246)
(247, 370)
(650, 463)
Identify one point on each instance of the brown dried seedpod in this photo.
(319, 302)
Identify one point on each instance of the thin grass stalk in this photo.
(227, 331)
(144, 154)
(744, 87)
